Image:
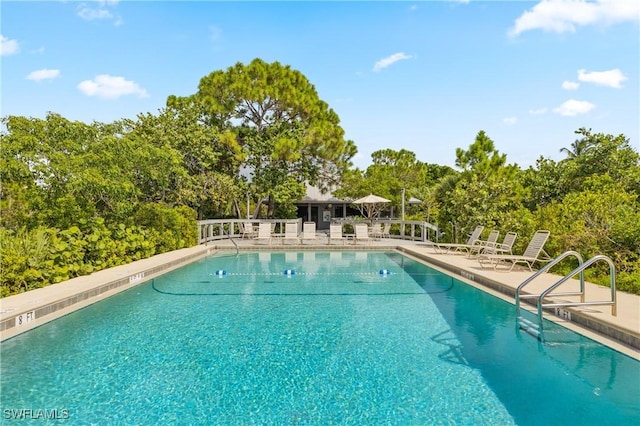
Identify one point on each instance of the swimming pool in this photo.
(235, 340)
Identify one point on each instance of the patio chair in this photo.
(264, 233)
(533, 253)
(505, 247)
(335, 233)
(290, 233)
(309, 232)
(479, 245)
(375, 231)
(362, 233)
(386, 230)
(247, 229)
(446, 248)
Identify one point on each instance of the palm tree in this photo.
(579, 146)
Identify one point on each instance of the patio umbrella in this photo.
(371, 204)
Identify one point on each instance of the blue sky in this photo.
(425, 76)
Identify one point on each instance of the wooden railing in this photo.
(218, 229)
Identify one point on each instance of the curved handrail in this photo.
(545, 269)
(232, 240)
(581, 268)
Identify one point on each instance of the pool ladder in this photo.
(536, 329)
(232, 240)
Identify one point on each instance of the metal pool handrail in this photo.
(579, 269)
(545, 269)
(537, 329)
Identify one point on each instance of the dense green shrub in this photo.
(174, 227)
(43, 256)
(26, 260)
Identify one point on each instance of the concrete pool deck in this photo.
(25, 311)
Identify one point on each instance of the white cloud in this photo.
(389, 60)
(111, 87)
(572, 108)
(538, 111)
(612, 78)
(565, 15)
(8, 46)
(510, 121)
(570, 85)
(90, 13)
(43, 74)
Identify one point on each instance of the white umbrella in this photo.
(371, 204)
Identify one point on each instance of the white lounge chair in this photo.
(264, 233)
(446, 248)
(479, 245)
(247, 229)
(309, 232)
(505, 247)
(375, 231)
(290, 233)
(385, 230)
(362, 233)
(533, 253)
(335, 234)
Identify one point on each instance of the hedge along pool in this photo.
(342, 338)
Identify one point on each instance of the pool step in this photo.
(529, 326)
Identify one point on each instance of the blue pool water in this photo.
(333, 342)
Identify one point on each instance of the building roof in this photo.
(314, 195)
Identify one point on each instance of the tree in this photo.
(596, 155)
(66, 171)
(487, 191)
(389, 173)
(186, 161)
(482, 159)
(607, 155)
(601, 218)
(283, 127)
(579, 146)
(548, 181)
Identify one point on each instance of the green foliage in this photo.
(487, 192)
(389, 173)
(284, 195)
(185, 160)
(282, 129)
(547, 182)
(126, 190)
(589, 201)
(628, 280)
(76, 198)
(15, 206)
(601, 219)
(39, 257)
(67, 170)
(25, 263)
(172, 228)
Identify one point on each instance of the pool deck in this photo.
(25, 311)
